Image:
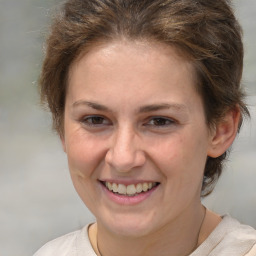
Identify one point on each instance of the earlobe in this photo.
(62, 139)
(224, 133)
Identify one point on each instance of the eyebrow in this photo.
(93, 105)
(156, 107)
(142, 109)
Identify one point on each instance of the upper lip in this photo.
(128, 182)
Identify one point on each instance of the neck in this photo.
(179, 238)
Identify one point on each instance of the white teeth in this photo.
(131, 189)
(139, 188)
(109, 186)
(145, 187)
(114, 187)
(121, 189)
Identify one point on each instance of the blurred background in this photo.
(37, 199)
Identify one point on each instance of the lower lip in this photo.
(128, 200)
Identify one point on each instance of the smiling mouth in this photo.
(130, 190)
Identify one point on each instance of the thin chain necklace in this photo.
(200, 229)
(198, 236)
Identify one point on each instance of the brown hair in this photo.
(205, 31)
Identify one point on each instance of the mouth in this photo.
(130, 190)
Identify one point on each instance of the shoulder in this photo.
(230, 237)
(233, 230)
(241, 238)
(64, 245)
(71, 244)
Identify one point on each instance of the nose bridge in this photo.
(125, 150)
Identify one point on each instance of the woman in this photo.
(146, 98)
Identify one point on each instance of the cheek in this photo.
(182, 162)
(181, 156)
(85, 154)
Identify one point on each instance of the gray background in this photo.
(37, 199)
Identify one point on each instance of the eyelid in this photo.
(168, 119)
(88, 122)
(84, 120)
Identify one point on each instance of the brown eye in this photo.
(160, 121)
(95, 121)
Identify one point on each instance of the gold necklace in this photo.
(200, 229)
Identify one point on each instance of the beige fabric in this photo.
(73, 244)
(252, 252)
(230, 238)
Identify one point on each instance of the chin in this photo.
(128, 226)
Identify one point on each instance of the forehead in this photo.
(150, 54)
(133, 67)
(127, 76)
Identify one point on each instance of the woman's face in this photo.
(135, 136)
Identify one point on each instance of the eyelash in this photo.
(98, 121)
(162, 122)
(92, 122)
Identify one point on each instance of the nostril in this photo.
(121, 160)
(125, 151)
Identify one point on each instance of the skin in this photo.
(133, 114)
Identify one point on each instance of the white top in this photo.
(230, 238)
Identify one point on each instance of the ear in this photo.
(62, 139)
(224, 133)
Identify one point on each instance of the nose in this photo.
(125, 150)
